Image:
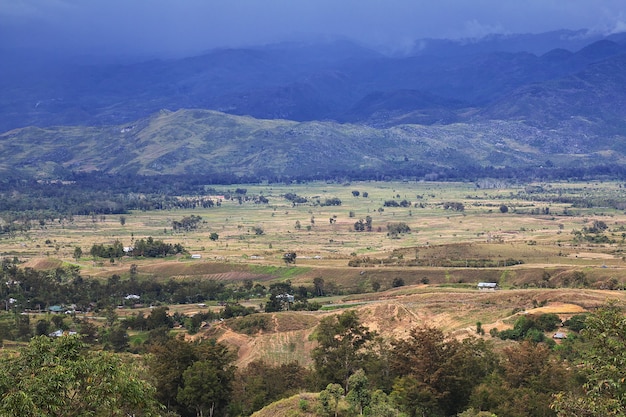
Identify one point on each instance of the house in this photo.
(492, 286)
(286, 297)
(196, 256)
(60, 333)
(559, 335)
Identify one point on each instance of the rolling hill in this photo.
(204, 142)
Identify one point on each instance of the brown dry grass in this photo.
(393, 313)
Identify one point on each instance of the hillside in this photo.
(203, 142)
(590, 102)
(394, 312)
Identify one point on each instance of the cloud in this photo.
(187, 26)
(476, 30)
(618, 27)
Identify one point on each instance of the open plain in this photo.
(556, 246)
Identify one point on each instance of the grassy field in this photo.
(480, 231)
(543, 249)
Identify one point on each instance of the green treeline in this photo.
(37, 290)
(24, 199)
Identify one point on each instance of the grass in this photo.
(438, 236)
(339, 306)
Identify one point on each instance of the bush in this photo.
(303, 405)
(397, 282)
(394, 229)
(334, 201)
(249, 324)
(576, 323)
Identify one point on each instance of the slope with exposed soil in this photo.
(392, 314)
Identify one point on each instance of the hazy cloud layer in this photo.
(179, 27)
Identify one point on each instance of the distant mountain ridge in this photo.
(311, 109)
(297, 81)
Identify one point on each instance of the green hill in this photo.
(204, 142)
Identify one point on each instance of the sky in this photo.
(185, 27)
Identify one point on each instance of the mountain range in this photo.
(307, 110)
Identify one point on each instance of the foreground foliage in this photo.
(603, 367)
(60, 377)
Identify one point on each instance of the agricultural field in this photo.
(399, 256)
(535, 237)
(526, 236)
(460, 222)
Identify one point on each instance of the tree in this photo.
(318, 284)
(359, 395)
(356, 193)
(42, 327)
(259, 384)
(60, 377)
(117, 339)
(436, 373)
(206, 388)
(524, 384)
(178, 389)
(167, 362)
(159, 317)
(504, 209)
(603, 368)
(58, 322)
(122, 220)
(330, 397)
(187, 223)
(397, 282)
(381, 405)
(470, 412)
(395, 229)
(78, 253)
(214, 236)
(342, 342)
(290, 257)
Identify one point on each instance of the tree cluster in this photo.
(426, 373)
(363, 225)
(394, 203)
(187, 223)
(430, 373)
(154, 248)
(37, 290)
(116, 250)
(192, 378)
(453, 205)
(295, 199)
(333, 201)
(395, 229)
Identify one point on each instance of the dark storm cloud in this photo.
(185, 26)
